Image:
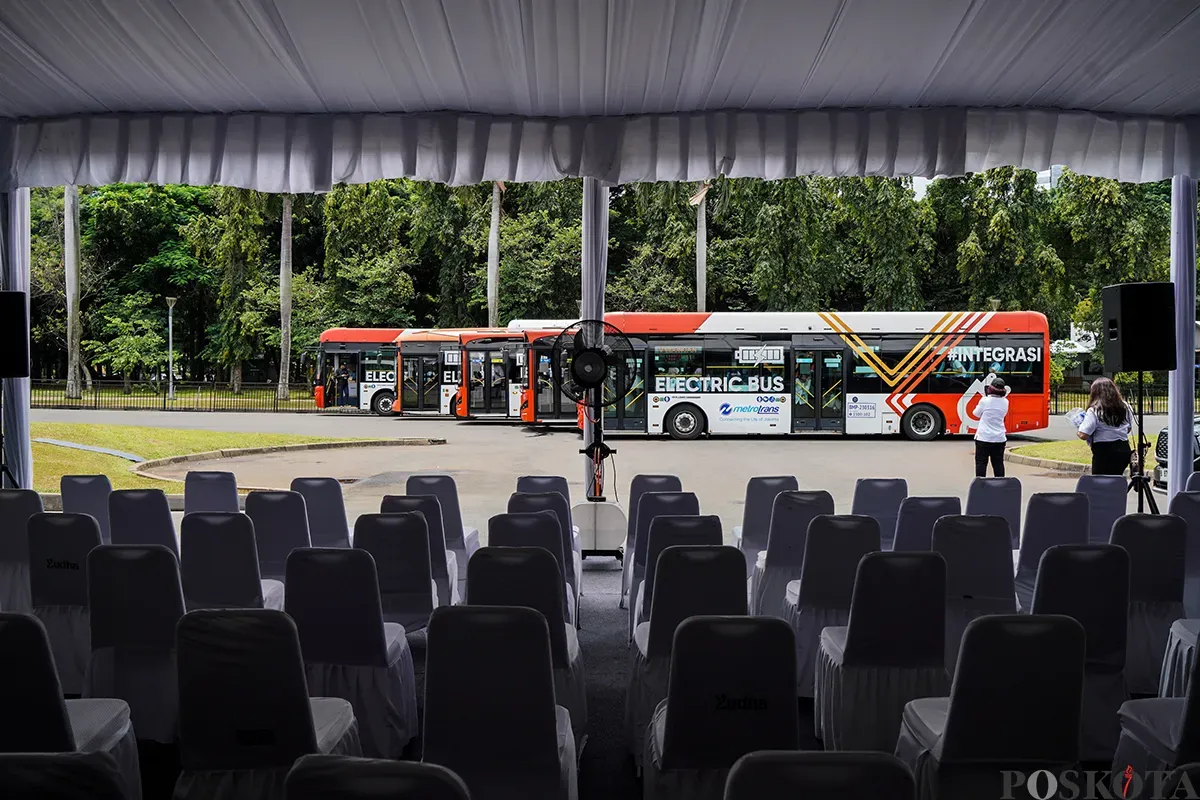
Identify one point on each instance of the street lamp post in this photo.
(171, 347)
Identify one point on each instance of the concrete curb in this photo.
(1067, 467)
(145, 468)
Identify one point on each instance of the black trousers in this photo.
(989, 451)
(1110, 458)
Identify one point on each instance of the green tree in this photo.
(131, 343)
(796, 266)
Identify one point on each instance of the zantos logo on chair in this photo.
(728, 410)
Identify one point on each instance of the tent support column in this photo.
(14, 276)
(593, 275)
(1182, 389)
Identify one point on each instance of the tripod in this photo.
(5, 472)
(1138, 482)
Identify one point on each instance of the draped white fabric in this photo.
(298, 96)
(304, 153)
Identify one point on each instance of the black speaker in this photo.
(14, 334)
(1139, 327)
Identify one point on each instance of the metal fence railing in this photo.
(1063, 400)
(189, 396)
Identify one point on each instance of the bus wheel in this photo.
(686, 422)
(922, 423)
(382, 402)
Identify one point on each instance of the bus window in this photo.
(861, 377)
(672, 361)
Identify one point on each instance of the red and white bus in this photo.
(369, 355)
(916, 373)
(430, 371)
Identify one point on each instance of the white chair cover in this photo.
(1106, 503)
(219, 564)
(326, 509)
(751, 536)
(87, 494)
(535, 529)
(135, 601)
(210, 491)
(651, 505)
(1090, 583)
(891, 652)
(280, 526)
(791, 516)
(880, 498)
(37, 718)
(821, 598)
(245, 713)
(1187, 506)
(979, 575)
(1179, 659)
(460, 539)
(997, 497)
(1157, 546)
(58, 550)
(349, 651)
(689, 581)
(731, 694)
(1053, 518)
(775, 775)
(672, 532)
(141, 517)
(16, 507)
(637, 487)
(498, 728)
(62, 776)
(529, 577)
(1001, 714)
(442, 560)
(918, 515)
(346, 778)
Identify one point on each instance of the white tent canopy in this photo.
(297, 95)
(302, 94)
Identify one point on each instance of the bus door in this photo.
(488, 381)
(818, 390)
(420, 376)
(551, 405)
(629, 412)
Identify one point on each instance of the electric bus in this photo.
(369, 380)
(492, 360)
(430, 371)
(920, 374)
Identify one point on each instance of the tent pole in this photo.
(14, 276)
(1182, 387)
(592, 277)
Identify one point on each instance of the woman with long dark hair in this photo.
(1106, 426)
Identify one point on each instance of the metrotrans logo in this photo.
(729, 410)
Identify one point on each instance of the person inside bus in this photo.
(991, 435)
(343, 385)
(1106, 426)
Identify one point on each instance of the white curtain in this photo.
(14, 250)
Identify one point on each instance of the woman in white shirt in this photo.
(1106, 426)
(991, 435)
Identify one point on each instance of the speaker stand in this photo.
(1138, 482)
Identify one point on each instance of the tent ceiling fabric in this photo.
(294, 95)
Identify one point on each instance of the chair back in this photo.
(834, 546)
(790, 518)
(62, 776)
(880, 498)
(694, 581)
(732, 691)
(778, 774)
(219, 564)
(87, 494)
(914, 526)
(58, 551)
(1052, 518)
(1157, 547)
(898, 611)
(280, 526)
(1106, 503)
(978, 557)
(141, 517)
(638, 487)
(37, 720)
(445, 490)
(210, 491)
(326, 510)
(656, 504)
(333, 597)
(431, 508)
(399, 545)
(675, 532)
(761, 492)
(522, 576)
(997, 497)
(1089, 583)
(346, 778)
(16, 508)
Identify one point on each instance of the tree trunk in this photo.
(493, 271)
(127, 383)
(701, 255)
(285, 300)
(235, 377)
(87, 374)
(71, 265)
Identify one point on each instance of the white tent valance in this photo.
(303, 153)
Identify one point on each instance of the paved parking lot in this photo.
(486, 457)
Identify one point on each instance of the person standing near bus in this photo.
(343, 384)
(991, 435)
(1106, 426)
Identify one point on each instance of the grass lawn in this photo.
(1076, 451)
(51, 462)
